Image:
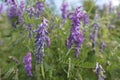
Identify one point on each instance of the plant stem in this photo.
(69, 67)
(42, 71)
(0, 74)
(37, 68)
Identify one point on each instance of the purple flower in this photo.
(102, 46)
(1, 8)
(31, 11)
(105, 8)
(10, 1)
(64, 10)
(36, 11)
(21, 11)
(85, 19)
(118, 15)
(27, 64)
(79, 16)
(76, 36)
(21, 6)
(42, 40)
(110, 7)
(94, 33)
(12, 11)
(15, 13)
(39, 8)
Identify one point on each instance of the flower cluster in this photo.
(1, 8)
(36, 11)
(94, 33)
(41, 40)
(64, 10)
(27, 64)
(15, 12)
(76, 36)
(102, 46)
(30, 11)
(110, 7)
(10, 1)
(39, 8)
(99, 72)
(118, 15)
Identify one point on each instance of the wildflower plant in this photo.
(76, 35)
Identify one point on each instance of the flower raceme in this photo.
(76, 36)
(27, 64)
(1, 8)
(94, 33)
(42, 40)
(64, 10)
(15, 12)
(37, 10)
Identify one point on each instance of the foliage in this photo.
(60, 62)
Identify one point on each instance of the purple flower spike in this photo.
(39, 8)
(12, 11)
(10, 1)
(85, 19)
(110, 7)
(94, 33)
(64, 10)
(1, 8)
(15, 13)
(118, 15)
(102, 46)
(31, 11)
(22, 6)
(27, 64)
(42, 40)
(76, 36)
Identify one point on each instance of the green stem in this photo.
(0, 74)
(69, 67)
(42, 70)
(66, 54)
(37, 69)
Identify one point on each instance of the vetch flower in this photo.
(15, 13)
(42, 40)
(39, 8)
(12, 11)
(1, 8)
(76, 36)
(31, 11)
(102, 46)
(36, 11)
(10, 1)
(105, 10)
(118, 15)
(27, 64)
(64, 10)
(21, 8)
(110, 7)
(94, 33)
